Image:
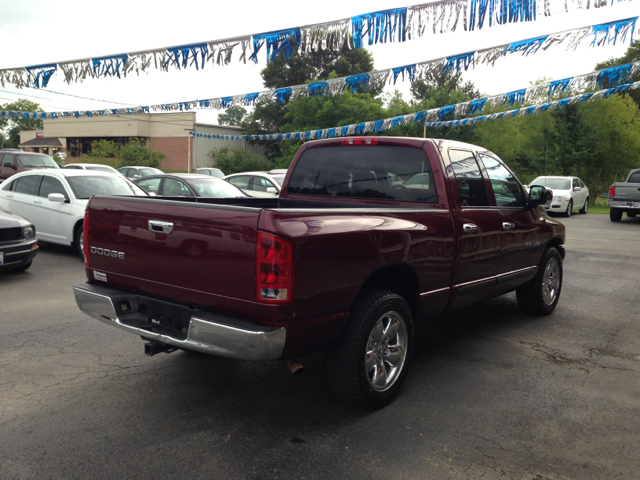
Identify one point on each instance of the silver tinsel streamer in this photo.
(76, 71)
(220, 53)
(326, 36)
(437, 17)
(16, 76)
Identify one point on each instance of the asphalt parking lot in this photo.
(492, 394)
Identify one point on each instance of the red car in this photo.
(369, 237)
(16, 162)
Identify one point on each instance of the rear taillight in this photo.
(612, 191)
(274, 269)
(360, 141)
(85, 238)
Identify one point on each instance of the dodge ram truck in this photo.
(369, 236)
(625, 197)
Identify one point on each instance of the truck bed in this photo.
(215, 240)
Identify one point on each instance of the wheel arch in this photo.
(76, 226)
(400, 279)
(556, 243)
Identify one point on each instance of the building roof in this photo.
(232, 127)
(42, 142)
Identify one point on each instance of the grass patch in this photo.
(601, 206)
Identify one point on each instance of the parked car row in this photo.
(54, 201)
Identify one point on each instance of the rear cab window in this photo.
(368, 172)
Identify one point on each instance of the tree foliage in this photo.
(233, 116)
(11, 126)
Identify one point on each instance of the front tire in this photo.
(615, 214)
(585, 208)
(368, 365)
(539, 296)
(569, 209)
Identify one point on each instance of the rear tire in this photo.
(368, 365)
(569, 209)
(539, 296)
(615, 214)
(585, 208)
(79, 241)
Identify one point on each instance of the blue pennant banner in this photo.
(111, 66)
(39, 75)
(281, 41)
(393, 25)
(380, 27)
(185, 56)
(429, 118)
(610, 77)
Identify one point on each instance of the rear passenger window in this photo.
(27, 185)
(241, 181)
(7, 161)
(150, 185)
(469, 180)
(359, 171)
(51, 185)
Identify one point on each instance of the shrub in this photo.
(104, 148)
(236, 160)
(134, 155)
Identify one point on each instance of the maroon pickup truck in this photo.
(368, 237)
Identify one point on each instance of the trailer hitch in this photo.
(152, 348)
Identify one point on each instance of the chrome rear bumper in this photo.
(212, 333)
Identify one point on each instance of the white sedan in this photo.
(257, 184)
(95, 167)
(569, 193)
(54, 201)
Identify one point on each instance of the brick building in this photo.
(164, 132)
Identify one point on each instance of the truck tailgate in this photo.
(203, 254)
(629, 192)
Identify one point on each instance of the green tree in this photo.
(11, 126)
(309, 113)
(233, 116)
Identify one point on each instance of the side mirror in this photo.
(272, 190)
(57, 197)
(576, 189)
(151, 194)
(539, 195)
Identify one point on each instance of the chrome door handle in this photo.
(469, 228)
(158, 226)
(9, 196)
(38, 202)
(508, 226)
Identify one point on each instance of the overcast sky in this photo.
(39, 31)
